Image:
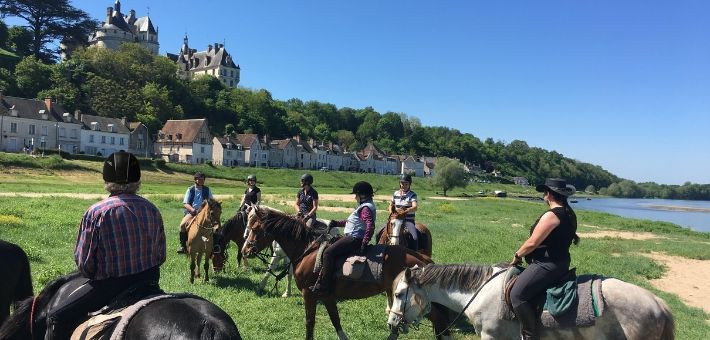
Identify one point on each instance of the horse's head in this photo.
(409, 303)
(258, 237)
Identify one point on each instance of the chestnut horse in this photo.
(200, 240)
(267, 225)
(396, 237)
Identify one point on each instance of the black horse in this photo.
(186, 317)
(16, 282)
(232, 230)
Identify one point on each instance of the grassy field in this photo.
(480, 230)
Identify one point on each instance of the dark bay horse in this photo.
(200, 236)
(291, 233)
(396, 237)
(232, 230)
(16, 283)
(175, 318)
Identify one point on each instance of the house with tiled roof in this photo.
(185, 141)
(254, 152)
(410, 165)
(350, 162)
(140, 141)
(215, 62)
(304, 154)
(335, 156)
(283, 153)
(227, 151)
(30, 123)
(372, 159)
(429, 164)
(102, 136)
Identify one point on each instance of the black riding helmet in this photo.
(251, 177)
(307, 179)
(405, 178)
(362, 188)
(121, 167)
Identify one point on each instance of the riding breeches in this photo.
(90, 297)
(535, 279)
(343, 246)
(185, 222)
(411, 228)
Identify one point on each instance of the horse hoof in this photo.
(285, 295)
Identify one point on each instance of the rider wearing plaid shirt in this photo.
(121, 244)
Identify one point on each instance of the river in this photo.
(692, 214)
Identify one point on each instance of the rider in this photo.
(192, 201)
(359, 227)
(546, 251)
(307, 200)
(252, 194)
(404, 203)
(103, 253)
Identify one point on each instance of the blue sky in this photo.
(621, 84)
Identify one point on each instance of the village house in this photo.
(304, 154)
(185, 141)
(410, 165)
(29, 124)
(520, 181)
(320, 155)
(335, 157)
(372, 159)
(140, 141)
(283, 152)
(429, 164)
(102, 136)
(350, 162)
(254, 153)
(227, 151)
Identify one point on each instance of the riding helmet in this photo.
(307, 179)
(251, 177)
(405, 178)
(362, 188)
(121, 167)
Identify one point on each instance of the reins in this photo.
(32, 316)
(469, 302)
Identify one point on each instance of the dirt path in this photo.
(625, 235)
(687, 278)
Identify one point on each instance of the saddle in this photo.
(422, 238)
(573, 301)
(361, 268)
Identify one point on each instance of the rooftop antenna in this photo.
(148, 8)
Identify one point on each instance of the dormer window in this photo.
(43, 114)
(178, 136)
(161, 135)
(170, 137)
(111, 128)
(13, 111)
(95, 126)
(66, 117)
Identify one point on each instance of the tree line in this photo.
(135, 84)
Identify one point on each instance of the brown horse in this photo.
(232, 230)
(388, 235)
(200, 234)
(291, 233)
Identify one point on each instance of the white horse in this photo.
(630, 312)
(279, 257)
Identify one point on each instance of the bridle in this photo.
(402, 316)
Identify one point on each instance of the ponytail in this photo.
(570, 213)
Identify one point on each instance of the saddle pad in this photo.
(358, 269)
(98, 326)
(589, 304)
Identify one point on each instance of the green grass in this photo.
(481, 230)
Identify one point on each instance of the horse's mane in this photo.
(232, 222)
(280, 223)
(464, 277)
(20, 318)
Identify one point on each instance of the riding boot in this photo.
(183, 243)
(324, 283)
(528, 321)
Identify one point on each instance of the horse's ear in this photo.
(407, 274)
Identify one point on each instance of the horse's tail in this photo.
(668, 332)
(428, 247)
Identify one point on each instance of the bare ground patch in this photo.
(625, 235)
(687, 278)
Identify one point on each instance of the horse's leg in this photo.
(197, 264)
(207, 267)
(440, 320)
(310, 304)
(287, 293)
(332, 308)
(192, 268)
(272, 265)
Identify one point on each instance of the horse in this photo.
(234, 229)
(395, 236)
(297, 241)
(630, 312)
(200, 239)
(187, 317)
(16, 283)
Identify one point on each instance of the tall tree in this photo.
(49, 21)
(449, 174)
(32, 76)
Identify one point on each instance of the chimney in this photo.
(216, 47)
(109, 15)
(124, 122)
(0, 96)
(77, 115)
(297, 138)
(266, 139)
(48, 103)
(209, 48)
